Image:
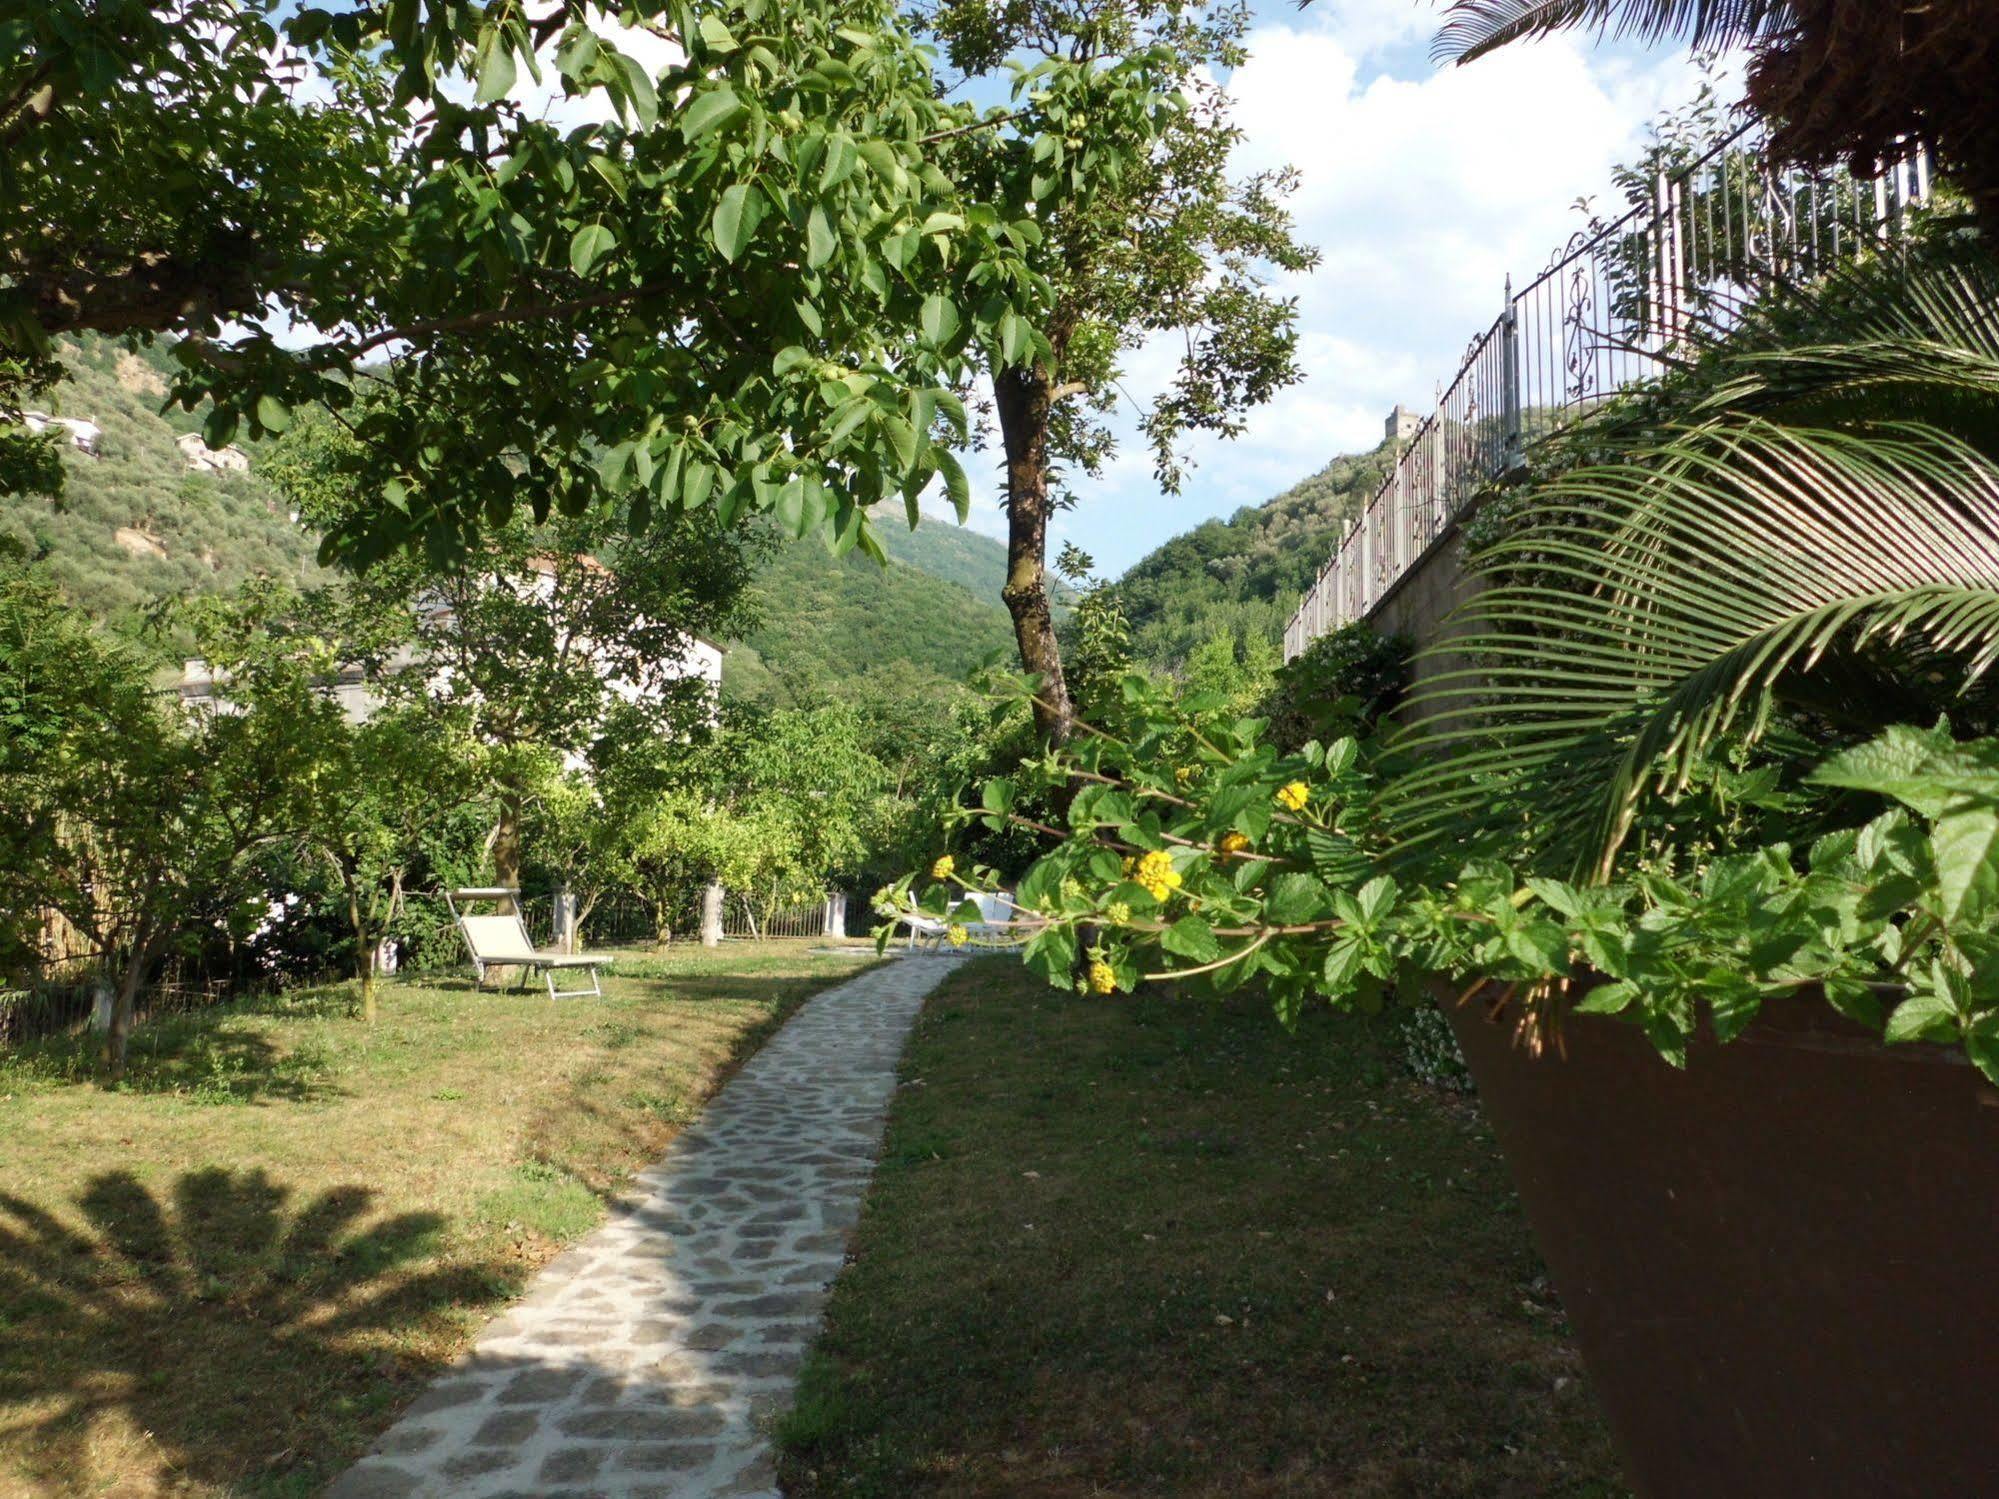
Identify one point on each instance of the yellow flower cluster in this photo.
(941, 870)
(1184, 773)
(957, 934)
(1102, 979)
(1234, 843)
(1117, 912)
(1294, 796)
(1156, 873)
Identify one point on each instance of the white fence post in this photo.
(711, 915)
(565, 920)
(836, 914)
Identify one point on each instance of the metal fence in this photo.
(763, 919)
(623, 920)
(58, 1007)
(1613, 308)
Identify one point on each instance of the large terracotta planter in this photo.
(1782, 1264)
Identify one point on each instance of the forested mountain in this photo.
(1244, 574)
(833, 625)
(141, 521)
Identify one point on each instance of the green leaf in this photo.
(791, 357)
(1014, 336)
(578, 51)
(710, 110)
(1965, 845)
(1191, 937)
(717, 36)
(1922, 1017)
(955, 485)
(939, 319)
(1608, 999)
(1377, 895)
(820, 241)
(1295, 898)
(791, 507)
(589, 245)
(1981, 1044)
(639, 89)
(1856, 1001)
(734, 223)
(1343, 965)
(272, 414)
(496, 67)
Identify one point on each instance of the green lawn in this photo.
(225, 1277)
(1156, 1247)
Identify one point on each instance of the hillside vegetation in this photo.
(139, 525)
(831, 624)
(1244, 575)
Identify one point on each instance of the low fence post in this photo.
(711, 915)
(836, 914)
(565, 920)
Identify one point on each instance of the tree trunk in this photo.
(1022, 397)
(364, 964)
(124, 1004)
(364, 950)
(507, 847)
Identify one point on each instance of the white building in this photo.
(699, 659)
(83, 435)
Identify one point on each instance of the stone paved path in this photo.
(647, 1360)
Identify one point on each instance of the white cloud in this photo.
(1423, 188)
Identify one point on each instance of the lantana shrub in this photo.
(1194, 852)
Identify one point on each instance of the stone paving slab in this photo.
(648, 1359)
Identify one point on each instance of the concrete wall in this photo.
(1420, 605)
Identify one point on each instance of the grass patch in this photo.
(226, 1276)
(1154, 1246)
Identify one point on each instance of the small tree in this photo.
(161, 813)
(547, 640)
(379, 791)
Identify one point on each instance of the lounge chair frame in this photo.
(501, 941)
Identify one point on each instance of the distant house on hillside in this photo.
(83, 435)
(199, 456)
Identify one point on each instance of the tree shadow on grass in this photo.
(204, 1056)
(256, 1344)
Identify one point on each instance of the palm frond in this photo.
(1649, 605)
(1473, 28)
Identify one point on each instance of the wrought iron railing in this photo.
(1610, 310)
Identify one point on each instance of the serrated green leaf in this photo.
(1922, 1017)
(1608, 999)
(1191, 937)
(1965, 846)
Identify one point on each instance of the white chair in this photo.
(500, 941)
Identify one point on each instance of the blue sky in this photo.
(1423, 188)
